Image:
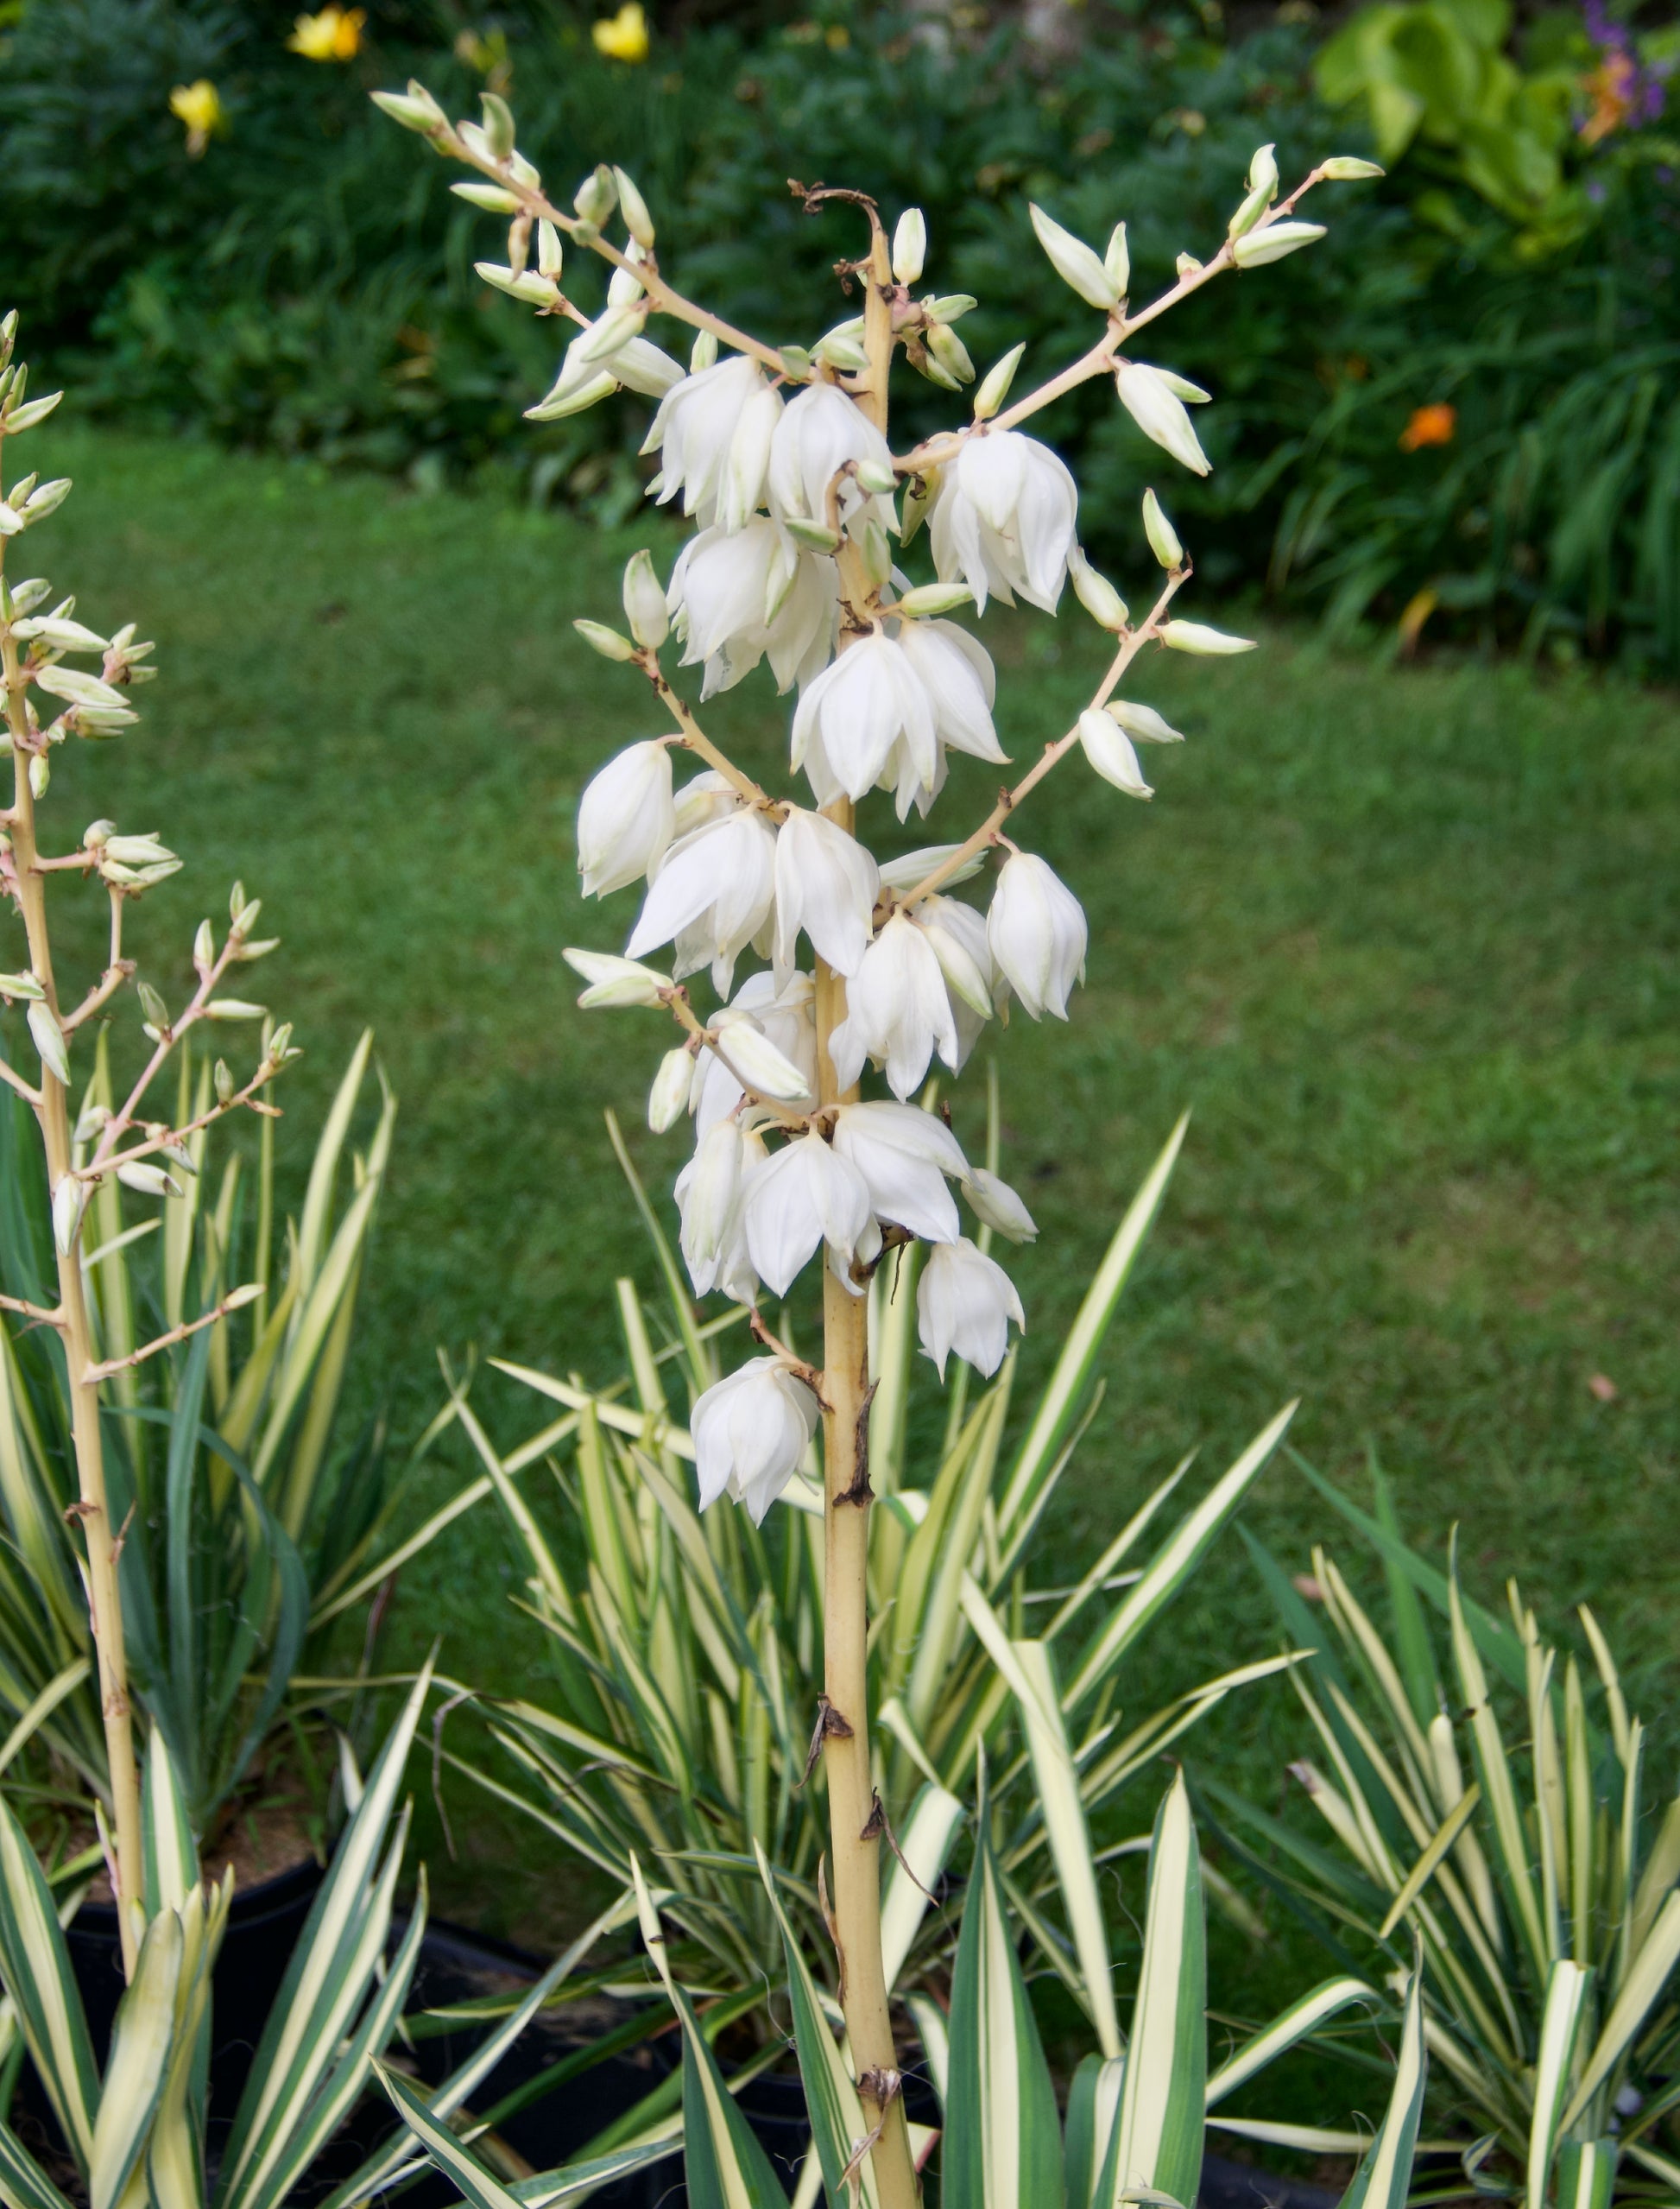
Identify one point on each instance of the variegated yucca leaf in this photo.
(1157, 2141)
(23, 2184)
(1093, 2111)
(140, 2051)
(839, 2128)
(1587, 2172)
(1303, 2018)
(1567, 1991)
(724, 2165)
(1002, 2139)
(923, 1848)
(1383, 2180)
(477, 2185)
(35, 1964)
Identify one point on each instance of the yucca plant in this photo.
(687, 1649)
(246, 1510)
(1134, 2119)
(1489, 1796)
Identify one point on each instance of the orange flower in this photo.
(1612, 89)
(333, 36)
(1430, 426)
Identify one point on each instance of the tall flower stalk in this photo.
(49, 701)
(780, 456)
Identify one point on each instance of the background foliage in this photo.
(308, 283)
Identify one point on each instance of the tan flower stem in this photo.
(989, 829)
(854, 1844)
(104, 1601)
(697, 741)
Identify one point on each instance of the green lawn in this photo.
(1405, 940)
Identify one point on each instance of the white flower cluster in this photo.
(801, 514)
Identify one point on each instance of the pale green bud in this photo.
(499, 132)
(21, 985)
(1347, 168)
(203, 948)
(1118, 259)
(150, 1180)
(237, 1299)
(948, 349)
(909, 246)
(1074, 261)
(995, 386)
(550, 257)
(929, 599)
(225, 1085)
(877, 553)
(1248, 214)
(703, 353)
(1195, 637)
(69, 1200)
(1095, 593)
(1163, 537)
(796, 362)
(415, 109)
(494, 199)
(611, 333)
(236, 900)
(875, 476)
(607, 642)
(245, 919)
(234, 1009)
(41, 774)
(1263, 172)
(814, 536)
(1187, 265)
(19, 418)
(615, 982)
(843, 346)
(49, 1040)
(596, 195)
(644, 603)
(50, 496)
(1261, 246)
(248, 951)
(948, 306)
(137, 850)
(633, 208)
(1143, 723)
(755, 1059)
(668, 1100)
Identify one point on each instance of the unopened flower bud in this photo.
(1074, 261)
(550, 256)
(995, 386)
(494, 199)
(1143, 723)
(929, 599)
(236, 901)
(615, 982)
(1111, 755)
(997, 1206)
(1347, 168)
(245, 919)
(69, 1200)
(595, 195)
(1118, 259)
(233, 1009)
(203, 948)
(877, 553)
(1263, 171)
(137, 850)
(909, 246)
(668, 1100)
(151, 1181)
(814, 536)
(154, 1007)
(48, 1038)
(498, 126)
(415, 109)
(948, 349)
(633, 208)
(877, 477)
(703, 353)
(22, 986)
(1095, 593)
(1163, 537)
(607, 642)
(527, 285)
(1261, 246)
(280, 1045)
(756, 1062)
(644, 602)
(41, 774)
(224, 1081)
(1197, 637)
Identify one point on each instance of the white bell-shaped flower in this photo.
(735, 597)
(697, 426)
(1110, 751)
(1003, 520)
(995, 1204)
(1155, 400)
(626, 818)
(803, 1195)
(704, 797)
(898, 1010)
(850, 718)
(1038, 934)
(713, 892)
(957, 673)
(904, 1156)
(827, 884)
(820, 430)
(957, 934)
(708, 1194)
(750, 1431)
(785, 1016)
(964, 1302)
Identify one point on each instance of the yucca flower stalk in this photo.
(780, 453)
(49, 701)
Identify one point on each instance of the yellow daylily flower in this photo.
(335, 35)
(622, 37)
(199, 107)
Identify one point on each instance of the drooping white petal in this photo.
(898, 1010)
(695, 427)
(904, 1156)
(785, 1016)
(736, 597)
(1038, 934)
(964, 1302)
(750, 1430)
(708, 1194)
(801, 1196)
(1003, 520)
(821, 429)
(957, 934)
(713, 892)
(827, 884)
(1160, 413)
(848, 719)
(626, 818)
(1111, 754)
(957, 672)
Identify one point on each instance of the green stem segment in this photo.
(854, 1814)
(102, 1540)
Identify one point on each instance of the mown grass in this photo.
(1405, 940)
